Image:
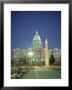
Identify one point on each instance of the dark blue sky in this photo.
(25, 23)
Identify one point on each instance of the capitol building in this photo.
(36, 55)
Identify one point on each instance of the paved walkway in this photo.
(42, 73)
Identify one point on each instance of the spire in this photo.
(46, 54)
(46, 41)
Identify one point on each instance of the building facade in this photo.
(36, 55)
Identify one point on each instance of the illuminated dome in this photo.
(36, 41)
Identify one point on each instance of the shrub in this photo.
(52, 59)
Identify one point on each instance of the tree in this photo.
(52, 59)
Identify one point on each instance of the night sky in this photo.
(25, 23)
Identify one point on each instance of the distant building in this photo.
(36, 55)
(57, 54)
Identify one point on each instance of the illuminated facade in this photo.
(36, 55)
